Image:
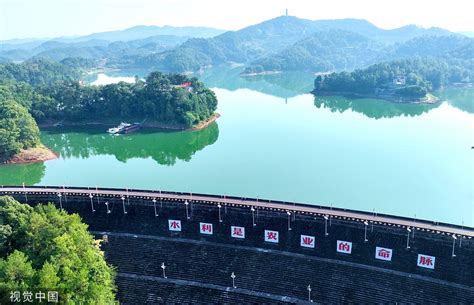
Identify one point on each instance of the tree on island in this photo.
(410, 79)
(160, 97)
(18, 129)
(53, 92)
(43, 247)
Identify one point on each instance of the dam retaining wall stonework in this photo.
(273, 254)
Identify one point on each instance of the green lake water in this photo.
(275, 141)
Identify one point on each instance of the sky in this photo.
(56, 18)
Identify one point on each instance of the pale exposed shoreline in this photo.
(32, 155)
(199, 126)
(206, 123)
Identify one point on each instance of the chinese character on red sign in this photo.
(344, 246)
(426, 261)
(237, 232)
(174, 225)
(307, 241)
(205, 228)
(384, 254)
(271, 236)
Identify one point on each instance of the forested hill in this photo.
(337, 50)
(269, 44)
(39, 73)
(365, 28)
(325, 50)
(144, 31)
(159, 98)
(405, 79)
(129, 34)
(112, 45)
(239, 46)
(288, 43)
(95, 49)
(51, 92)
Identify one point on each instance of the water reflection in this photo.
(290, 84)
(163, 147)
(16, 174)
(461, 98)
(372, 108)
(284, 85)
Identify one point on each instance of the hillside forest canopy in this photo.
(284, 43)
(18, 129)
(44, 247)
(46, 92)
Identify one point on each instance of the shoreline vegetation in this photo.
(206, 123)
(41, 93)
(402, 81)
(151, 124)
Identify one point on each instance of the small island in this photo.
(404, 81)
(41, 93)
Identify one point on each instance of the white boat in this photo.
(124, 128)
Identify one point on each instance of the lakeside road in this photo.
(250, 203)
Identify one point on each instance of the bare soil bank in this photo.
(32, 155)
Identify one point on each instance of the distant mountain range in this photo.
(336, 50)
(365, 28)
(289, 43)
(283, 43)
(468, 34)
(86, 46)
(144, 31)
(133, 33)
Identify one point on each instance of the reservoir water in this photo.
(276, 141)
